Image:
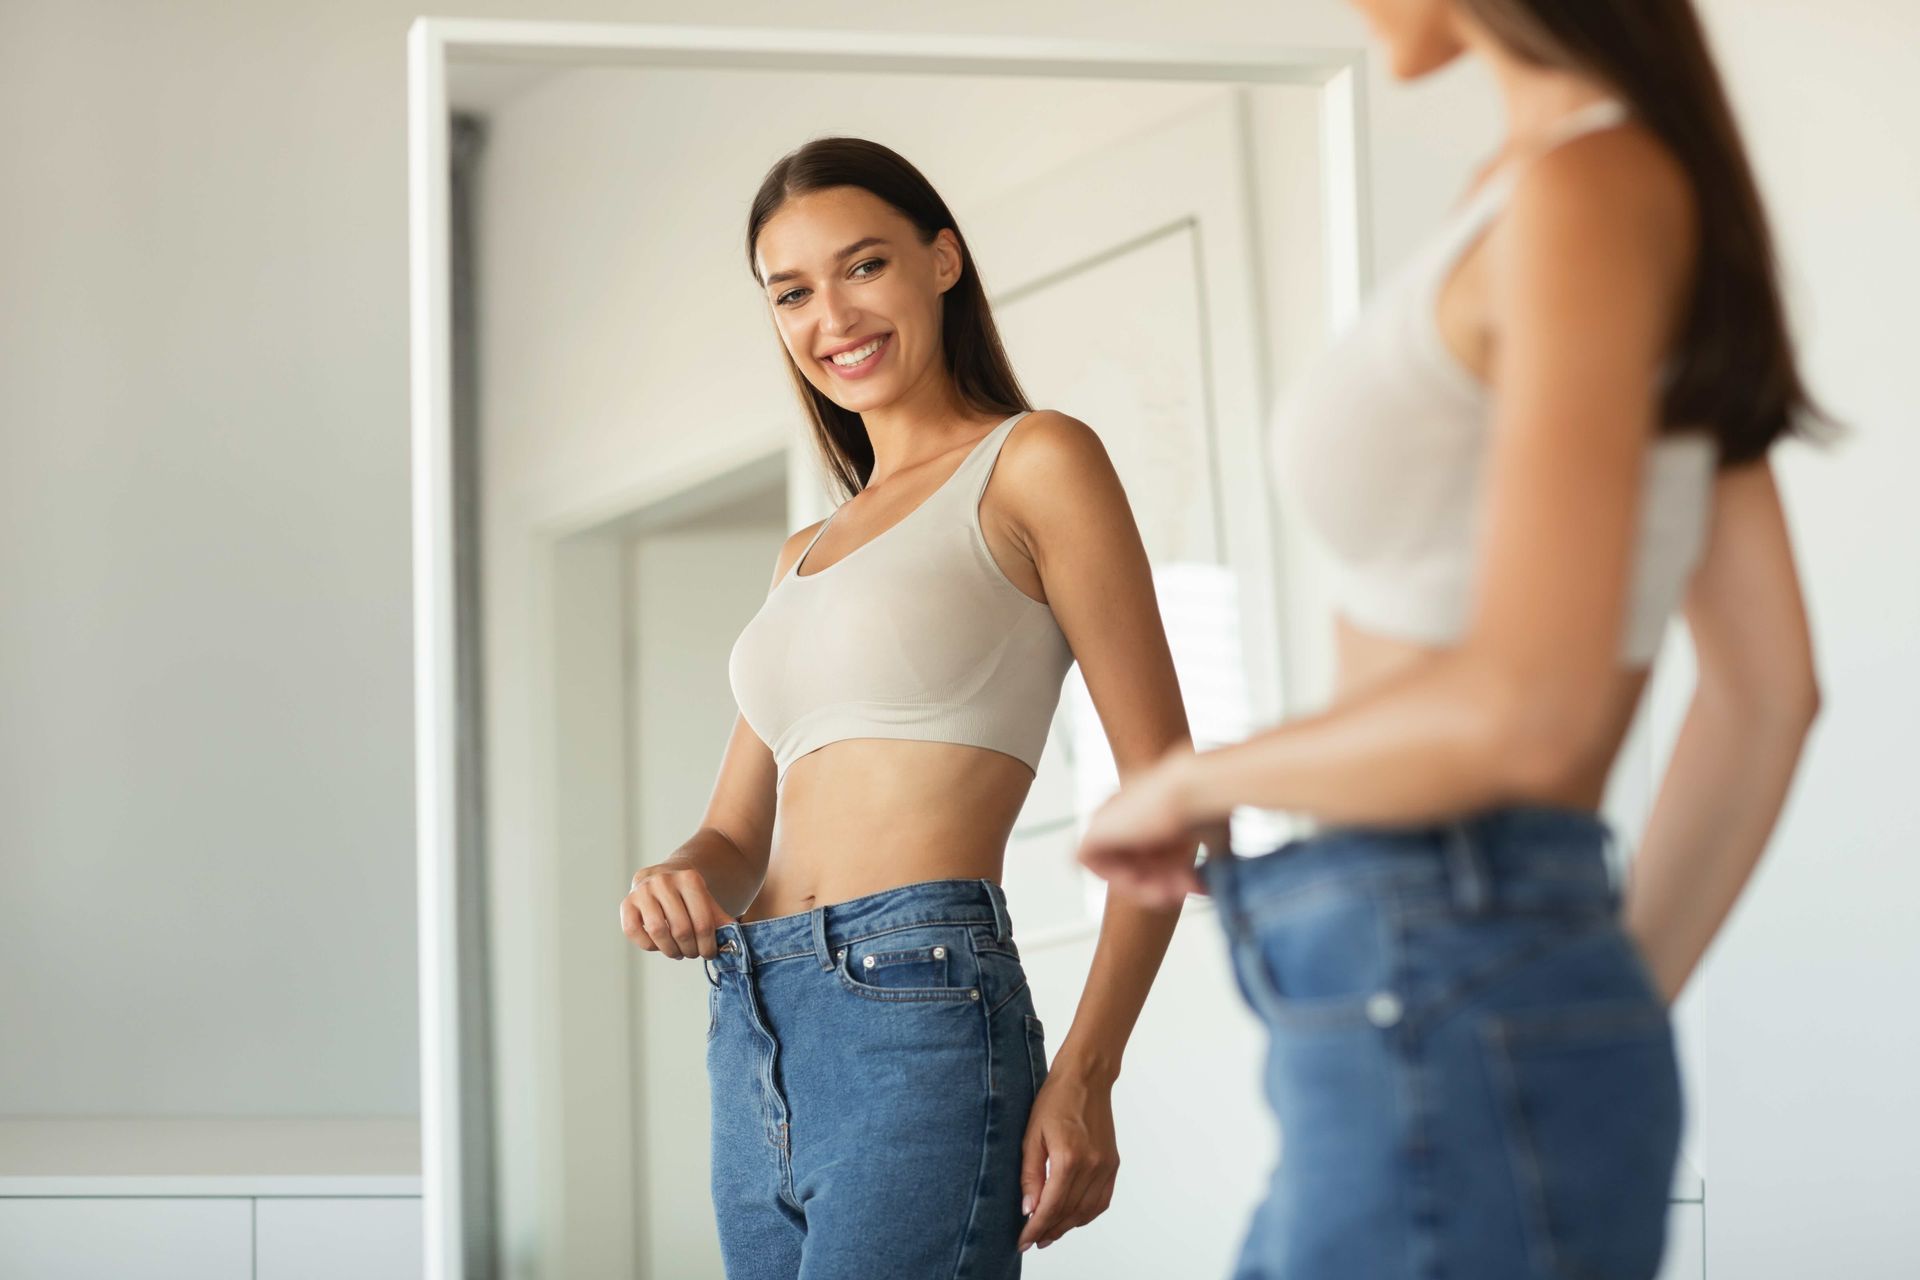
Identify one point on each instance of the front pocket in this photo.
(909, 965)
(1319, 958)
(1591, 1097)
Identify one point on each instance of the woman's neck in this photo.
(918, 425)
(1535, 98)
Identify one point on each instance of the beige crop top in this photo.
(1381, 448)
(913, 634)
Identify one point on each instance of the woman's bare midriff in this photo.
(1366, 659)
(868, 814)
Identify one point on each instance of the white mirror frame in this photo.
(432, 43)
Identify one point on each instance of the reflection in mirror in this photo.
(1156, 260)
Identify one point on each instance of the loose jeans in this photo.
(873, 1063)
(1473, 1075)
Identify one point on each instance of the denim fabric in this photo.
(873, 1063)
(1473, 1074)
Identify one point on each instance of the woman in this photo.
(882, 1103)
(1549, 431)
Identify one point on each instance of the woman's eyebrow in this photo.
(841, 256)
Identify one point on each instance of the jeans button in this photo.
(1383, 1009)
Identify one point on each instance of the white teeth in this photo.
(858, 354)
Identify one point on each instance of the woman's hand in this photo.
(671, 910)
(1142, 838)
(1069, 1159)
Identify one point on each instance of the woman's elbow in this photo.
(1779, 700)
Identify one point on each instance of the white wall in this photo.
(204, 726)
(1811, 1115)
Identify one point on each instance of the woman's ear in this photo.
(948, 266)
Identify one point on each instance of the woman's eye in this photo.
(875, 263)
(782, 299)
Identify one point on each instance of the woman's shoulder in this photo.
(1046, 437)
(1054, 467)
(1627, 172)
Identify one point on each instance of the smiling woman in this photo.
(906, 268)
(895, 700)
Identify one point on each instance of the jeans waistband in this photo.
(824, 930)
(1515, 856)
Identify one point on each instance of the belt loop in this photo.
(1002, 927)
(820, 951)
(1467, 871)
(708, 966)
(1217, 872)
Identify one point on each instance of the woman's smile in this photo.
(859, 361)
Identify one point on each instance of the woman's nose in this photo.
(838, 314)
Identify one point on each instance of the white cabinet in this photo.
(126, 1239)
(339, 1239)
(210, 1200)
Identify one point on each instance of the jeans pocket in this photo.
(1591, 1107)
(921, 963)
(1319, 958)
(1036, 1051)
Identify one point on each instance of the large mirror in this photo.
(610, 453)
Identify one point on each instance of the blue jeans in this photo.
(1473, 1074)
(873, 1063)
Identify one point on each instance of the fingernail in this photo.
(1026, 1205)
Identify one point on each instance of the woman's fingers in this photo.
(1067, 1172)
(679, 942)
(672, 912)
(632, 925)
(704, 912)
(1088, 1195)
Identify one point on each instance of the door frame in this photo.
(1337, 75)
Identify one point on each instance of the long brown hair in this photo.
(975, 358)
(1735, 369)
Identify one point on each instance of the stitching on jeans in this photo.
(1522, 1160)
(1456, 993)
(987, 1111)
(902, 995)
(1010, 995)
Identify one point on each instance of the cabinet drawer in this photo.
(126, 1239)
(343, 1239)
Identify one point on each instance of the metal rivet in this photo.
(841, 954)
(1383, 1009)
(867, 963)
(726, 946)
(939, 953)
(973, 993)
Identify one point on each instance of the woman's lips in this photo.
(866, 366)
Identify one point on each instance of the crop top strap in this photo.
(973, 486)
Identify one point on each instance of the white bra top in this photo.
(1382, 445)
(915, 633)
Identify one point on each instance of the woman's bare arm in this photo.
(1753, 703)
(1078, 526)
(1588, 275)
(675, 905)
(1068, 509)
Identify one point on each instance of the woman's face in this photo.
(855, 293)
(1419, 35)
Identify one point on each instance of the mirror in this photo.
(609, 454)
